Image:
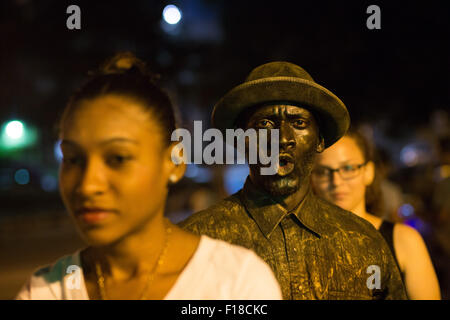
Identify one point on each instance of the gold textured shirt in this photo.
(317, 251)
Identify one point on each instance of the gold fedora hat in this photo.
(284, 82)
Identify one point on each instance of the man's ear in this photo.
(176, 164)
(369, 173)
(321, 145)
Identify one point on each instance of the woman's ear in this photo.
(369, 173)
(176, 163)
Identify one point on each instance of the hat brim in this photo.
(333, 116)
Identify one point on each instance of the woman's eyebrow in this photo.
(103, 142)
(118, 139)
(340, 164)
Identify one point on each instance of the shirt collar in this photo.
(268, 213)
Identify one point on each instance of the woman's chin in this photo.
(98, 238)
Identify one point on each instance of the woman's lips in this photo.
(339, 196)
(94, 215)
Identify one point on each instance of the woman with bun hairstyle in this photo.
(116, 142)
(345, 175)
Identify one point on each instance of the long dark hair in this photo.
(125, 75)
(373, 196)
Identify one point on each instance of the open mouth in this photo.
(285, 166)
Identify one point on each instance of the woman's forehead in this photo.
(344, 150)
(108, 117)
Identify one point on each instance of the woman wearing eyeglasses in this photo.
(345, 175)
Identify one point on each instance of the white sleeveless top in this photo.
(217, 271)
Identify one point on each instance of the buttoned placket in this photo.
(293, 251)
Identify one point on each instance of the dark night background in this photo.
(394, 81)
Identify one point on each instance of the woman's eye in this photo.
(117, 159)
(349, 168)
(72, 160)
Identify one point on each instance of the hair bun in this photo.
(122, 62)
(125, 63)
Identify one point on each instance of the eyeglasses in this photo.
(346, 172)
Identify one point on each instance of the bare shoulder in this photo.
(414, 259)
(408, 243)
(407, 235)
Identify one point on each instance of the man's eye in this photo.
(299, 123)
(264, 123)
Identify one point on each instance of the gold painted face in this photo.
(347, 187)
(299, 141)
(115, 169)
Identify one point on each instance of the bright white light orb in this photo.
(14, 129)
(171, 14)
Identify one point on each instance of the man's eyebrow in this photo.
(298, 113)
(104, 142)
(265, 114)
(289, 112)
(275, 116)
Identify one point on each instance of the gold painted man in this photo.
(316, 250)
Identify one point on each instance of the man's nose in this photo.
(92, 180)
(287, 138)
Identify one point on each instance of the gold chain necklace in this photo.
(151, 275)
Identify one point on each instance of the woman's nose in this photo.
(92, 179)
(335, 178)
